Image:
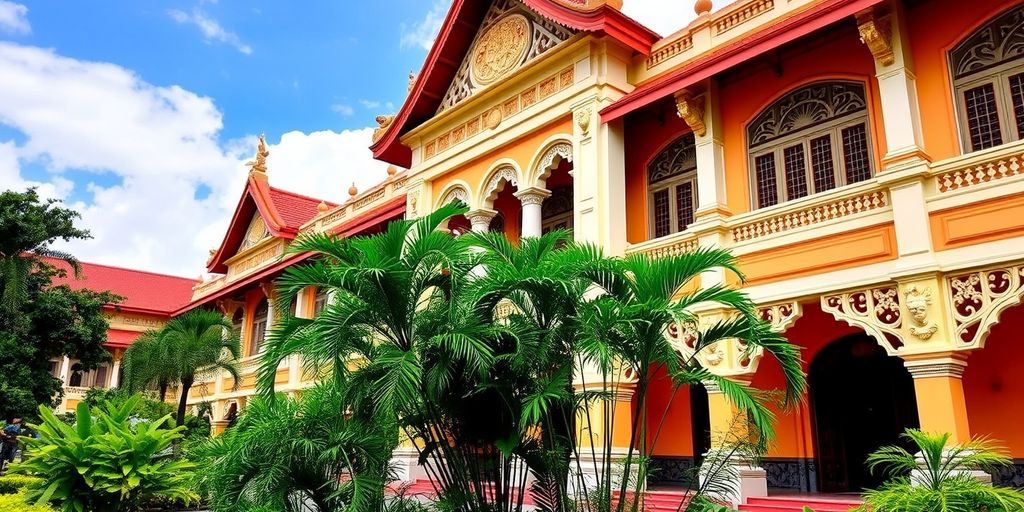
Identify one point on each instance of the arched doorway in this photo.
(862, 399)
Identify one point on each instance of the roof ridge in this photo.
(150, 272)
(303, 196)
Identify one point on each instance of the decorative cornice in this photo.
(948, 366)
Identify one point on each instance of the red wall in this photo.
(994, 386)
(676, 438)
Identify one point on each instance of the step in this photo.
(797, 503)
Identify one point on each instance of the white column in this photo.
(532, 198)
(480, 219)
(65, 370)
(115, 372)
(710, 152)
(599, 178)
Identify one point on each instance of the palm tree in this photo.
(199, 340)
(939, 477)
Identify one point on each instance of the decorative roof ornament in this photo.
(412, 81)
(259, 164)
(392, 171)
(353, 191)
(322, 207)
(383, 122)
(703, 7)
(590, 5)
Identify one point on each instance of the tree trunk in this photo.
(186, 384)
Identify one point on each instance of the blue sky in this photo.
(141, 115)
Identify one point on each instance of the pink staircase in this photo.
(797, 504)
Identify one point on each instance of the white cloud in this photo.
(423, 32)
(343, 109)
(14, 18)
(662, 16)
(162, 143)
(370, 103)
(211, 29)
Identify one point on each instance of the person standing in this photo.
(9, 443)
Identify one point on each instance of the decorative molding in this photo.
(748, 12)
(368, 198)
(875, 310)
(456, 193)
(781, 316)
(997, 168)
(811, 215)
(691, 109)
(134, 322)
(676, 159)
(672, 245)
(255, 260)
(937, 367)
(918, 301)
(383, 123)
(504, 174)
(876, 33)
(499, 49)
(805, 107)
(561, 150)
(533, 196)
(979, 297)
(502, 109)
(480, 219)
(998, 41)
(583, 120)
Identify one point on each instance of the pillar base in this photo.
(735, 481)
(919, 476)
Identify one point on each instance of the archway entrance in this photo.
(862, 400)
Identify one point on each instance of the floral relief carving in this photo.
(500, 49)
(978, 299)
(918, 300)
(877, 35)
(807, 106)
(1001, 40)
(457, 193)
(691, 109)
(505, 174)
(876, 310)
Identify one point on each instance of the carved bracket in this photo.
(781, 316)
(876, 33)
(691, 110)
(876, 310)
(979, 297)
(726, 357)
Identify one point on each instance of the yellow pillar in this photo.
(941, 404)
(727, 424)
(622, 419)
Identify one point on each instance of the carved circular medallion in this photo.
(256, 232)
(500, 49)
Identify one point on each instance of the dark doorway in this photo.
(862, 400)
(700, 418)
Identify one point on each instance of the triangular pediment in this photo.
(510, 36)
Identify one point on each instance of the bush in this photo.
(18, 503)
(109, 463)
(10, 484)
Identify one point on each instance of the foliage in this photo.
(40, 322)
(18, 502)
(105, 462)
(472, 345)
(148, 409)
(10, 484)
(939, 478)
(288, 454)
(198, 340)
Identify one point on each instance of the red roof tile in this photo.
(147, 291)
(295, 209)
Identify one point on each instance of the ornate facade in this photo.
(861, 158)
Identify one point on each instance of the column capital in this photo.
(533, 195)
(948, 365)
(480, 219)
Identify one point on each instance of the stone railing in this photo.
(799, 214)
(671, 245)
(387, 190)
(975, 169)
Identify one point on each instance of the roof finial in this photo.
(412, 81)
(353, 191)
(259, 164)
(392, 171)
(702, 7)
(322, 207)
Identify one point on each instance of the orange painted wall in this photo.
(647, 132)
(995, 219)
(747, 93)
(676, 438)
(934, 28)
(252, 300)
(795, 428)
(521, 151)
(993, 387)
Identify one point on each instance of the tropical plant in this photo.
(105, 462)
(297, 454)
(10, 484)
(472, 345)
(18, 502)
(199, 340)
(938, 478)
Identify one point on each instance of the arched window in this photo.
(988, 82)
(672, 187)
(556, 212)
(811, 140)
(259, 328)
(319, 301)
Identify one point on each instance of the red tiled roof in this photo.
(295, 209)
(143, 291)
(117, 338)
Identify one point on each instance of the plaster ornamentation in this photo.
(691, 109)
(677, 46)
(456, 193)
(383, 123)
(255, 260)
(583, 120)
(804, 107)
(918, 301)
(561, 150)
(368, 199)
(500, 49)
(1000, 40)
(781, 316)
(996, 168)
(139, 321)
(256, 232)
(259, 163)
(876, 310)
(533, 196)
(672, 245)
(413, 203)
(876, 33)
(481, 219)
(505, 174)
(677, 158)
(978, 299)
(229, 306)
(837, 209)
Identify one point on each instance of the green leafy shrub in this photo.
(937, 478)
(18, 503)
(10, 484)
(106, 461)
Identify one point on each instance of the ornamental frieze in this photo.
(134, 322)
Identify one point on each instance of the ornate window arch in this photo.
(454, 193)
(988, 82)
(505, 174)
(258, 330)
(814, 138)
(672, 187)
(551, 158)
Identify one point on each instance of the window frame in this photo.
(256, 347)
(670, 185)
(832, 128)
(999, 77)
